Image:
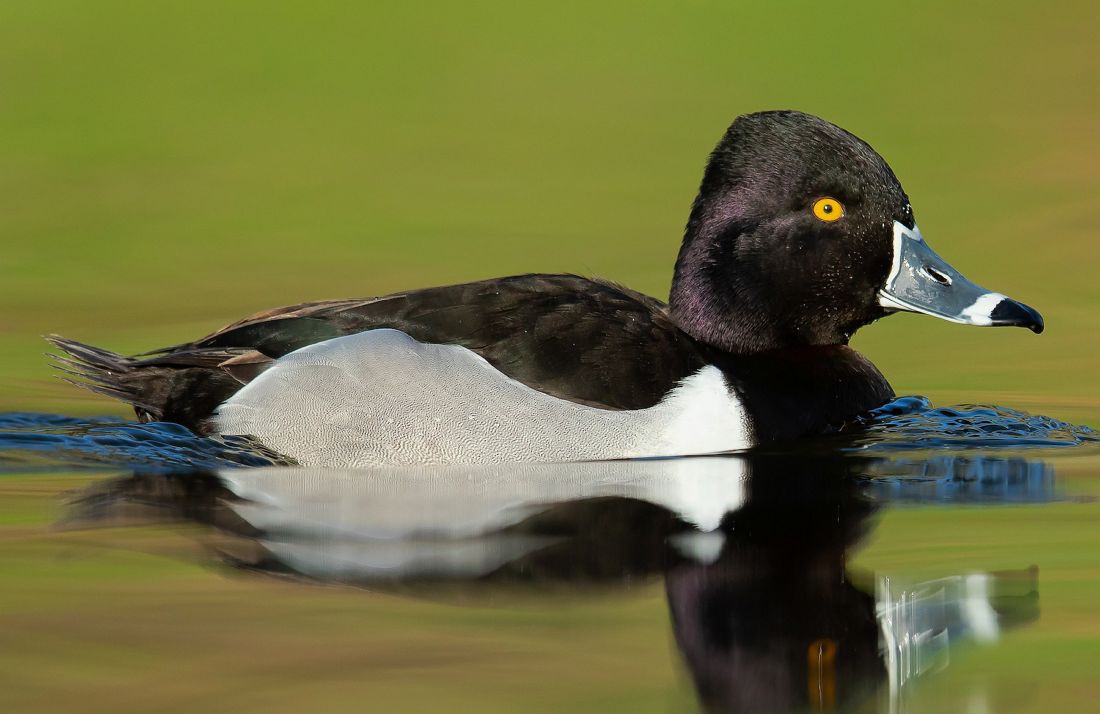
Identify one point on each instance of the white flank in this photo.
(382, 398)
(706, 416)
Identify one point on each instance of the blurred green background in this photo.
(167, 167)
(171, 166)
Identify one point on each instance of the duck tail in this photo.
(103, 372)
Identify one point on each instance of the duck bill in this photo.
(921, 281)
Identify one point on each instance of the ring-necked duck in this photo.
(800, 235)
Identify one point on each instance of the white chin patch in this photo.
(981, 312)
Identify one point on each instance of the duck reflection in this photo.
(774, 623)
(753, 550)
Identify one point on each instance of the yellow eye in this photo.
(828, 210)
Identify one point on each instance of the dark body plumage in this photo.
(587, 341)
(563, 334)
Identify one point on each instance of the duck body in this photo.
(800, 235)
(537, 367)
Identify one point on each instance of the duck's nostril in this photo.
(936, 275)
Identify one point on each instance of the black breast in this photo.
(801, 391)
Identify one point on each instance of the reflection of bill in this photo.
(753, 550)
(919, 622)
(760, 641)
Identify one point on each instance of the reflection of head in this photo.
(774, 623)
(759, 637)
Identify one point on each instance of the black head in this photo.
(790, 238)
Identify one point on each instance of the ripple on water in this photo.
(913, 423)
(30, 441)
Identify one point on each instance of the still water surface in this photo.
(934, 560)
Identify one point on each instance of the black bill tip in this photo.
(1016, 314)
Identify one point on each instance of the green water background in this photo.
(171, 166)
(168, 167)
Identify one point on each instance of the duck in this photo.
(800, 235)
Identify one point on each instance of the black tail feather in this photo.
(107, 391)
(184, 386)
(82, 370)
(99, 371)
(91, 356)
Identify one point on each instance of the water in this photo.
(275, 155)
(906, 424)
(883, 569)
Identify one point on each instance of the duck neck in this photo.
(714, 300)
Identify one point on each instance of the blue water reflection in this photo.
(31, 441)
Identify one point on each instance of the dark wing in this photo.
(584, 340)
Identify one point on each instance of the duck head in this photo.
(801, 234)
